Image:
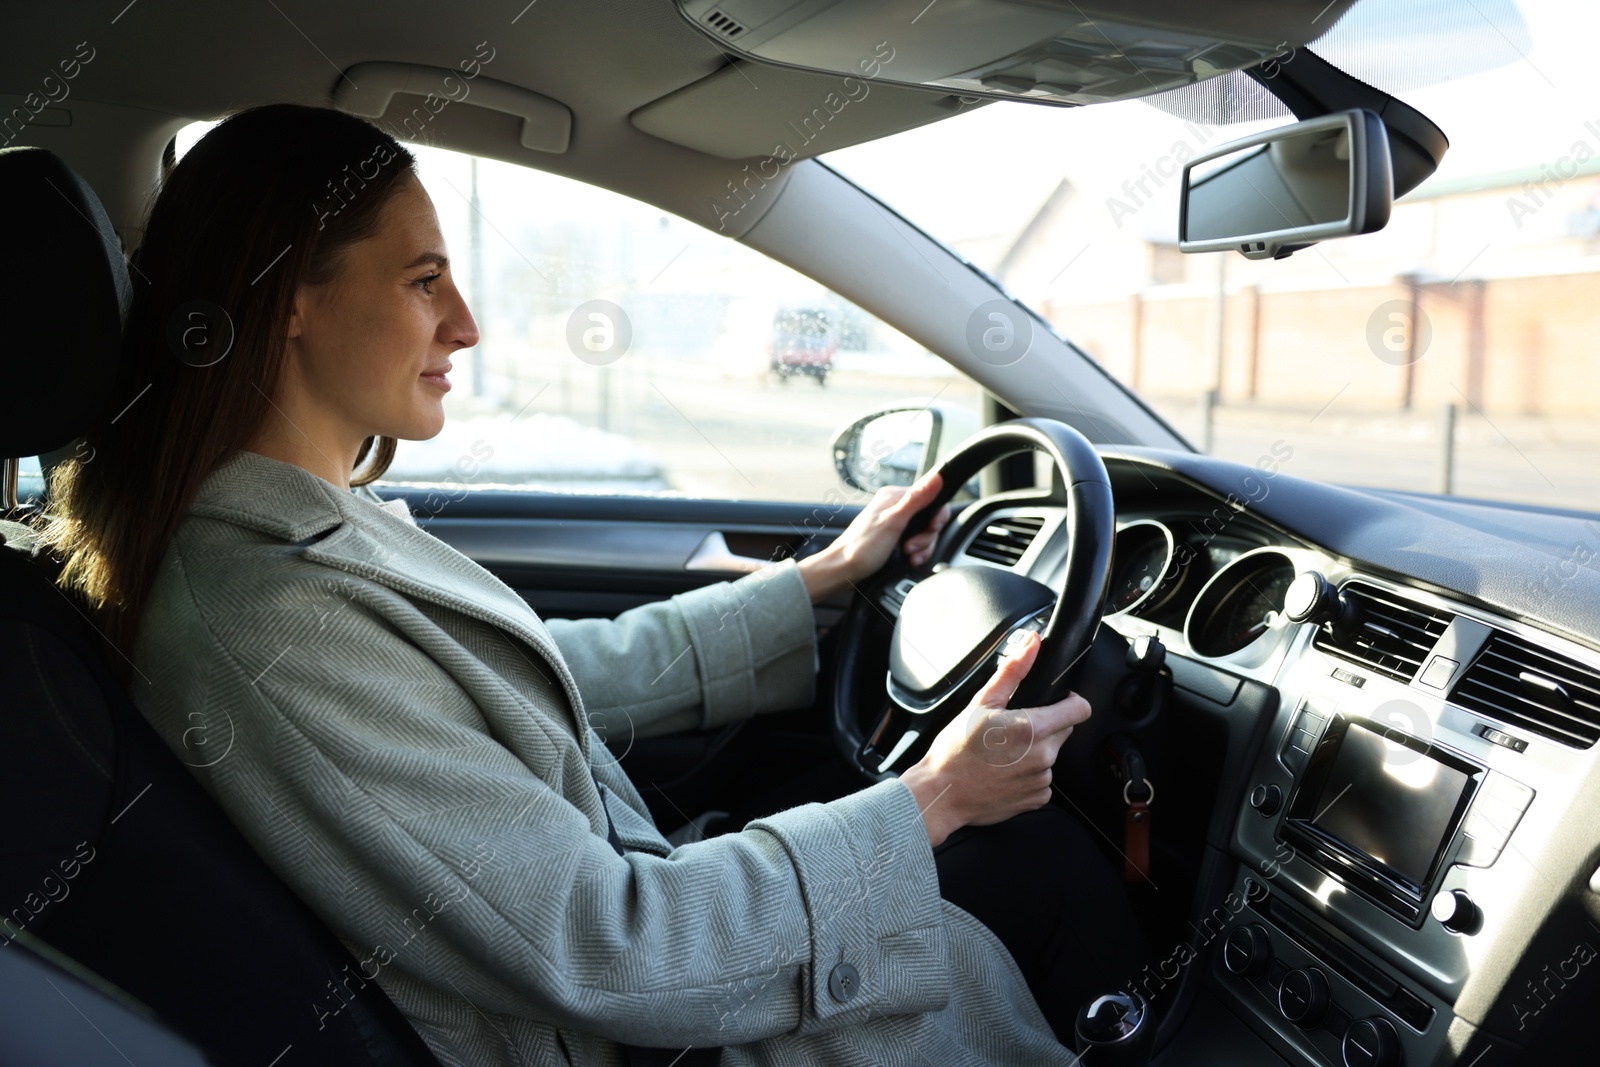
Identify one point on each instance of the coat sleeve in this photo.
(348, 757)
(723, 652)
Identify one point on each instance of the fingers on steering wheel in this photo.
(1002, 686)
(1063, 715)
(920, 545)
(916, 496)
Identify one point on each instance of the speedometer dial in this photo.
(1249, 614)
(1240, 604)
(1139, 561)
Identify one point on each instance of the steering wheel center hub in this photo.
(951, 623)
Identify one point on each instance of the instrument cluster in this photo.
(1222, 589)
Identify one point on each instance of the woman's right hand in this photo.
(992, 762)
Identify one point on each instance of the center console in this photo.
(1381, 842)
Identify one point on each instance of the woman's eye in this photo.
(425, 282)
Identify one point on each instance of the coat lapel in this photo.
(297, 506)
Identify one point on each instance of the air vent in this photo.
(724, 25)
(1004, 541)
(1520, 684)
(1392, 636)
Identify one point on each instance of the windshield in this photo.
(1451, 351)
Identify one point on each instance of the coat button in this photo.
(843, 982)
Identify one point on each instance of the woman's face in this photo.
(362, 345)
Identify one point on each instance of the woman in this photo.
(411, 748)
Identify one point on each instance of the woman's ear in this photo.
(297, 313)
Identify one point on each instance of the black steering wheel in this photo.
(950, 622)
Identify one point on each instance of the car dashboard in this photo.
(1408, 853)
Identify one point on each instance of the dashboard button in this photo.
(1438, 672)
(1482, 826)
(1456, 911)
(1313, 714)
(1501, 738)
(1317, 711)
(1303, 997)
(1266, 799)
(1347, 677)
(1495, 816)
(1372, 1043)
(1509, 790)
(1014, 640)
(1247, 952)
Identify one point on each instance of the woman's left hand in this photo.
(866, 544)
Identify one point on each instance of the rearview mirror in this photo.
(1281, 190)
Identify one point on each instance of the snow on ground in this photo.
(534, 449)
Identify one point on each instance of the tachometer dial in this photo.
(1139, 563)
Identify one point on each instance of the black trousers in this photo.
(1046, 890)
(1038, 880)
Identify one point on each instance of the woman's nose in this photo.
(458, 327)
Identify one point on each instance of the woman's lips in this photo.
(438, 377)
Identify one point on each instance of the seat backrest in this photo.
(114, 854)
(54, 1012)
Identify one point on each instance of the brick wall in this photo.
(1524, 345)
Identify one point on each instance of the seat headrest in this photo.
(64, 305)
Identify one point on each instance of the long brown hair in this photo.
(267, 201)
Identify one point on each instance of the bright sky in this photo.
(985, 173)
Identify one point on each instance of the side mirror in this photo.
(898, 444)
(1281, 190)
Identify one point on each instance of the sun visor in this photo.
(747, 110)
(1045, 51)
(408, 96)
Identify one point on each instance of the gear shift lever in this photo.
(1118, 1028)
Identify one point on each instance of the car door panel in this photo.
(574, 557)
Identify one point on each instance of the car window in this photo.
(626, 350)
(30, 480)
(1452, 350)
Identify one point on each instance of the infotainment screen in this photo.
(1389, 803)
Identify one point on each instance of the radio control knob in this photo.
(1456, 912)
(1303, 997)
(1266, 799)
(1372, 1043)
(1248, 951)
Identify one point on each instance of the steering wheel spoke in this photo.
(887, 743)
(894, 595)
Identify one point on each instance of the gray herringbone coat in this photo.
(410, 748)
